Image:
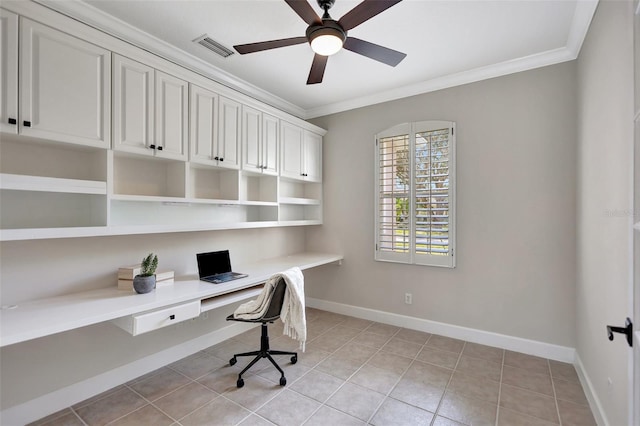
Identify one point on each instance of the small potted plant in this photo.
(145, 281)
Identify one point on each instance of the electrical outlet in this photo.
(408, 298)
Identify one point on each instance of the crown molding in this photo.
(448, 81)
(582, 17)
(115, 27)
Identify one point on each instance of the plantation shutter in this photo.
(433, 193)
(415, 199)
(393, 227)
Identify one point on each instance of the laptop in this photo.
(215, 267)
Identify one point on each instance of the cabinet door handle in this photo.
(26, 123)
(152, 146)
(172, 317)
(159, 148)
(221, 159)
(13, 121)
(216, 158)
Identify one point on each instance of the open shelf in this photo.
(148, 176)
(258, 188)
(49, 184)
(213, 184)
(44, 159)
(300, 201)
(299, 212)
(32, 209)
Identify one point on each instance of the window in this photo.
(415, 194)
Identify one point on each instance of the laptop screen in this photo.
(215, 262)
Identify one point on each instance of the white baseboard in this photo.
(62, 398)
(594, 401)
(517, 344)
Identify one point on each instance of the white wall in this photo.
(605, 155)
(515, 273)
(33, 269)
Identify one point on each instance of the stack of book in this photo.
(127, 273)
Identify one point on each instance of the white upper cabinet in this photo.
(65, 87)
(133, 102)
(251, 139)
(229, 133)
(312, 157)
(172, 107)
(203, 126)
(260, 141)
(270, 144)
(301, 154)
(291, 151)
(8, 72)
(215, 129)
(150, 111)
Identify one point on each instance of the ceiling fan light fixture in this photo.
(327, 39)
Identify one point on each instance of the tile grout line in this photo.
(77, 416)
(504, 355)
(555, 397)
(453, 371)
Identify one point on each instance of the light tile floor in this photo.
(353, 372)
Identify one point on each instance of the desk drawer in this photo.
(149, 321)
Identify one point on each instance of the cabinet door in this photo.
(229, 133)
(8, 72)
(204, 125)
(291, 151)
(270, 133)
(65, 87)
(312, 157)
(251, 139)
(171, 115)
(132, 106)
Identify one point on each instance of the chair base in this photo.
(264, 352)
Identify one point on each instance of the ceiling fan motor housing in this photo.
(328, 27)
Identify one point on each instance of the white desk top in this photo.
(44, 317)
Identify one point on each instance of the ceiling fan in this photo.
(327, 36)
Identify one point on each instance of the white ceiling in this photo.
(447, 43)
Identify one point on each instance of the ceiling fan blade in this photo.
(305, 11)
(365, 11)
(374, 51)
(317, 69)
(266, 45)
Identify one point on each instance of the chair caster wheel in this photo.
(240, 383)
(283, 381)
(294, 359)
(232, 361)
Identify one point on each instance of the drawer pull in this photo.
(172, 317)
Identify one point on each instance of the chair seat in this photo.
(262, 320)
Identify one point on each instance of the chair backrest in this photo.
(277, 298)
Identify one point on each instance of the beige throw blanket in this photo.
(293, 308)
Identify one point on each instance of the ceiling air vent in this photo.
(214, 46)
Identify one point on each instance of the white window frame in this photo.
(411, 256)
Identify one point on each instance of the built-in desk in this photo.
(43, 317)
